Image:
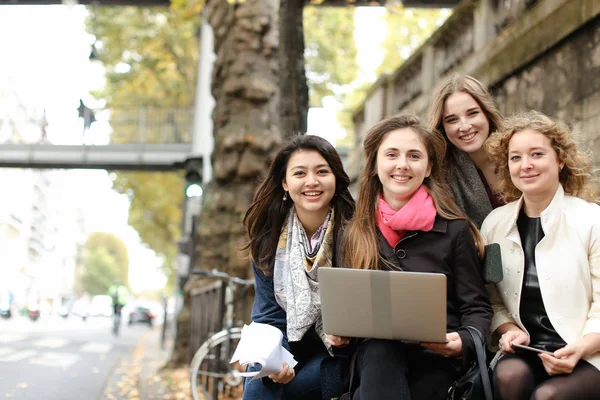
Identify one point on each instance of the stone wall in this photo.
(564, 83)
(534, 54)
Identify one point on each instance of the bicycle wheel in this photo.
(212, 376)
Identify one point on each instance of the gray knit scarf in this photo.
(469, 191)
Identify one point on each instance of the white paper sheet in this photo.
(261, 344)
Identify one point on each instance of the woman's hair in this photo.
(267, 213)
(576, 175)
(467, 84)
(361, 235)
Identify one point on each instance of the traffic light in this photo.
(193, 177)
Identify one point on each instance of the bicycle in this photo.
(211, 374)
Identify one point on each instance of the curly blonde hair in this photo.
(576, 175)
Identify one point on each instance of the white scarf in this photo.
(295, 277)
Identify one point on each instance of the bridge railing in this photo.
(128, 125)
(151, 125)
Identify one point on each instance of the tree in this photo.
(150, 56)
(330, 52)
(407, 29)
(157, 48)
(114, 248)
(100, 272)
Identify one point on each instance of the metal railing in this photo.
(207, 312)
(128, 125)
(151, 125)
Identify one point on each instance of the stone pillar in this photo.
(427, 69)
(483, 29)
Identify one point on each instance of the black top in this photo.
(448, 248)
(532, 310)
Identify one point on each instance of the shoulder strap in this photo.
(479, 349)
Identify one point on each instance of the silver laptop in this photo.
(397, 305)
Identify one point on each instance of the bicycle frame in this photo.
(221, 342)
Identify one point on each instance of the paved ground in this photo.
(70, 359)
(140, 375)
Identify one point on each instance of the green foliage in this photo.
(407, 30)
(114, 248)
(330, 51)
(156, 208)
(158, 49)
(100, 271)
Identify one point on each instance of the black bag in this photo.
(474, 384)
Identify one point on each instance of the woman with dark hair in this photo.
(406, 220)
(549, 234)
(293, 225)
(464, 111)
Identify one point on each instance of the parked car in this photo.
(141, 314)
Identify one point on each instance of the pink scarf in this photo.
(416, 215)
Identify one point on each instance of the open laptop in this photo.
(397, 305)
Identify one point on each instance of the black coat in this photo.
(448, 248)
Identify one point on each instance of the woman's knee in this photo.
(547, 392)
(511, 373)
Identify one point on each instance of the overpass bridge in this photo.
(146, 139)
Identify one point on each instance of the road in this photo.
(62, 359)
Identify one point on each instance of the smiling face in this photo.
(465, 123)
(534, 165)
(402, 165)
(310, 183)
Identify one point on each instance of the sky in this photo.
(49, 69)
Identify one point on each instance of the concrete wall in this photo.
(534, 54)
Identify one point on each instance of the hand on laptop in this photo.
(284, 376)
(337, 341)
(452, 348)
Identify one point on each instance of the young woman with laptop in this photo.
(549, 233)
(294, 226)
(406, 220)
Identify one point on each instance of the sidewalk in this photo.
(139, 376)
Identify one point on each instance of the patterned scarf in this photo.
(295, 276)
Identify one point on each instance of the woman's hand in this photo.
(516, 336)
(563, 361)
(284, 376)
(452, 348)
(337, 341)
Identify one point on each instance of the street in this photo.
(56, 358)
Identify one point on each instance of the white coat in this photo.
(567, 262)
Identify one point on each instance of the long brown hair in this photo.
(576, 175)
(467, 84)
(267, 213)
(360, 239)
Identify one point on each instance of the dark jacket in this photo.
(448, 248)
(266, 310)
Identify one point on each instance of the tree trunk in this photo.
(247, 132)
(292, 75)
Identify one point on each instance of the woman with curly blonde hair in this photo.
(549, 233)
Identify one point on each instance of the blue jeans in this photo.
(306, 385)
